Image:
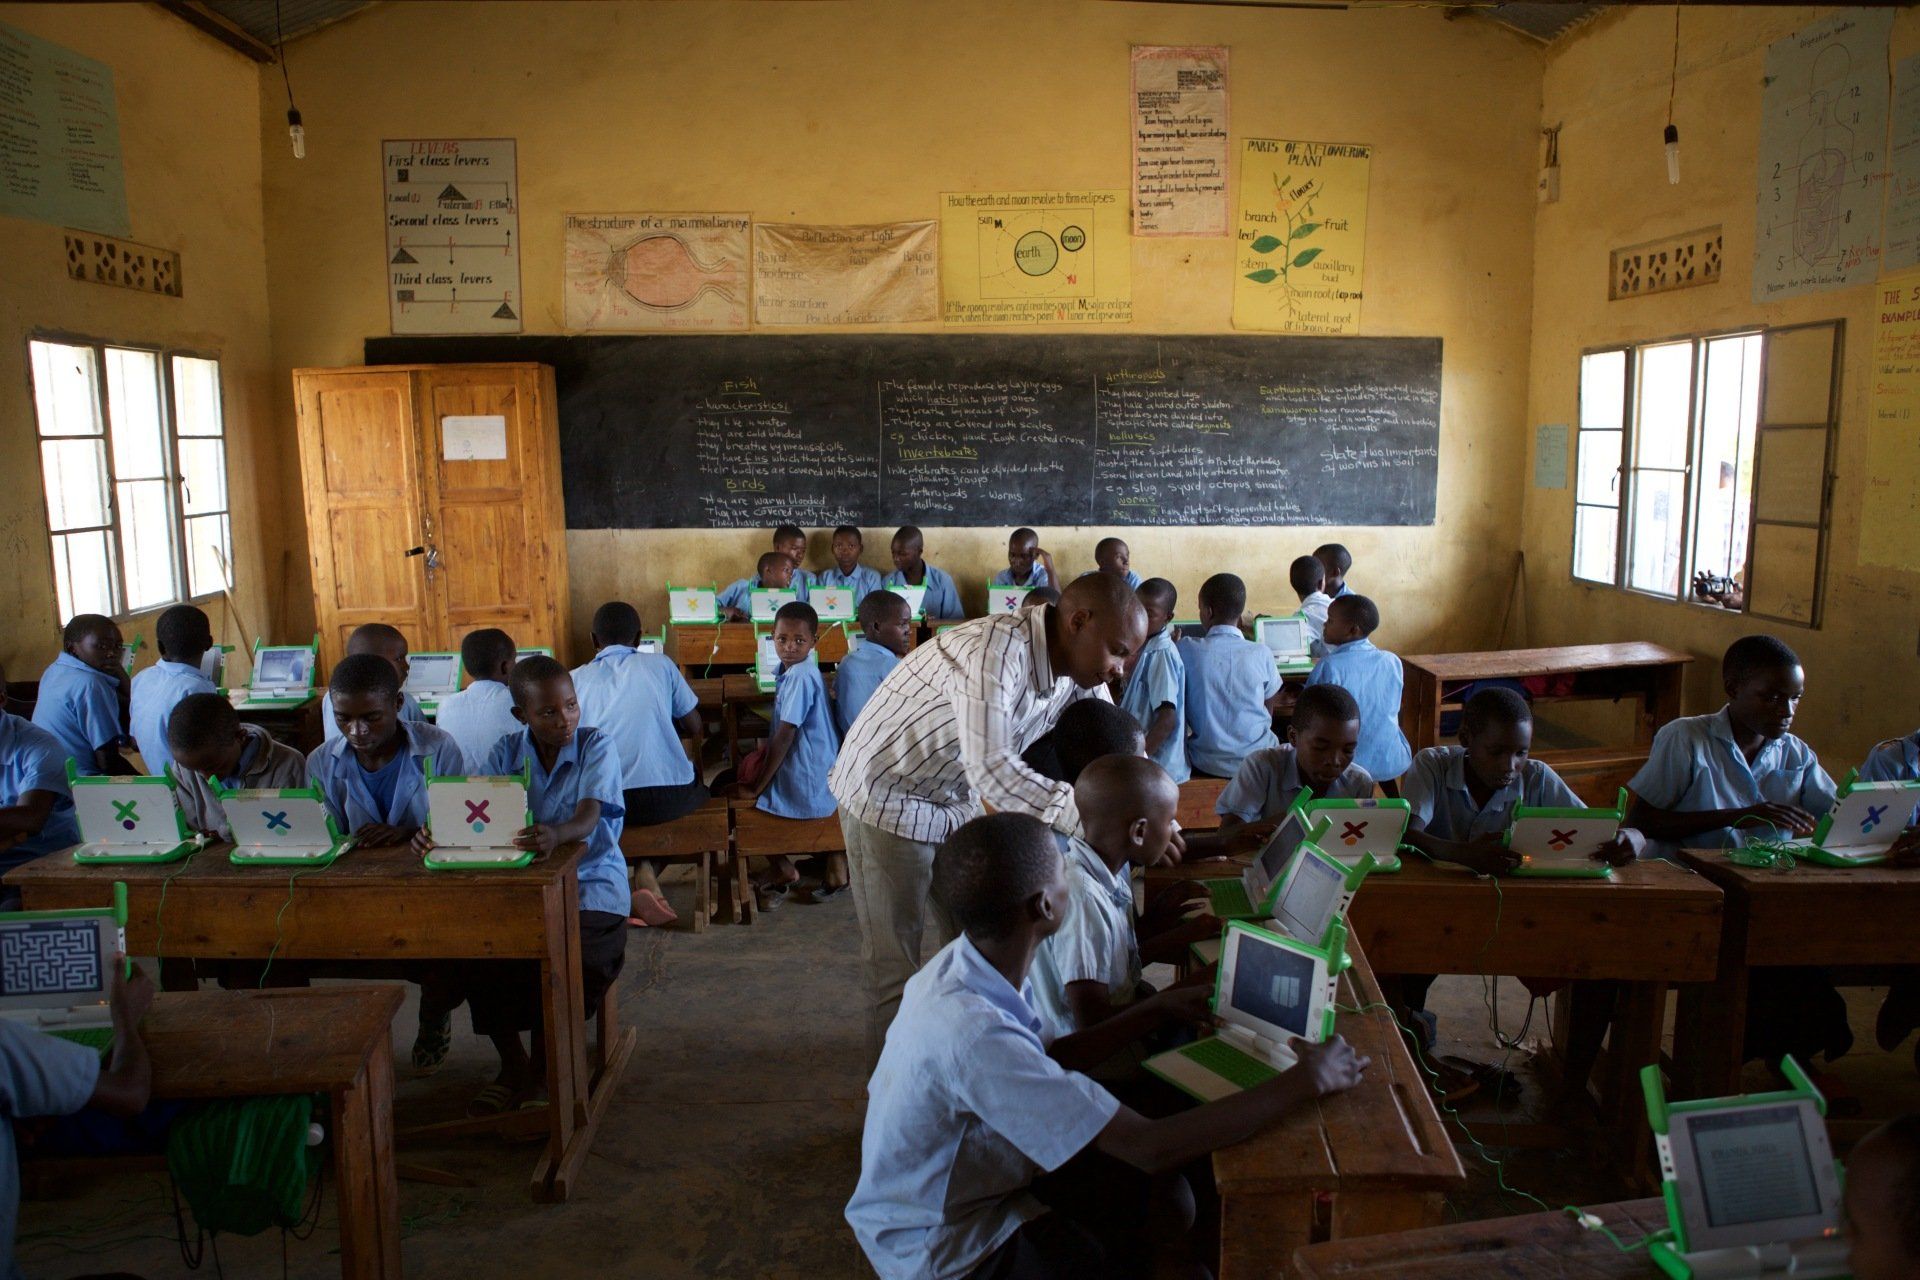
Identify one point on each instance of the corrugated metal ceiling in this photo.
(297, 17)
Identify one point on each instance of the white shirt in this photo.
(478, 717)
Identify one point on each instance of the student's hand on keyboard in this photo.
(1188, 1006)
(378, 835)
(1486, 855)
(422, 843)
(1248, 837)
(1622, 850)
(540, 838)
(1329, 1067)
(1790, 817)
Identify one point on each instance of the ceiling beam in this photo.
(199, 15)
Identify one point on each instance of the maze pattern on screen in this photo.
(50, 956)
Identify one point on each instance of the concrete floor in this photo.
(734, 1139)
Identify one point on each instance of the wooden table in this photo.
(1518, 1248)
(297, 723)
(699, 647)
(378, 905)
(332, 1040)
(1377, 1156)
(1647, 673)
(1812, 915)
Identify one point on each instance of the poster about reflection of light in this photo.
(1300, 243)
(1890, 508)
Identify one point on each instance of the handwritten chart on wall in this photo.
(983, 430)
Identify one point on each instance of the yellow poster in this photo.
(1035, 257)
(1890, 513)
(1302, 236)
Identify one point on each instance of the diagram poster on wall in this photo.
(1823, 128)
(1179, 140)
(1890, 513)
(1903, 172)
(59, 137)
(1035, 257)
(1301, 242)
(453, 235)
(877, 273)
(639, 272)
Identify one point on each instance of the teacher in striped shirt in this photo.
(942, 737)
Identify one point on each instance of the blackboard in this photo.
(754, 430)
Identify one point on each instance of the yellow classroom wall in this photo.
(190, 135)
(865, 110)
(1608, 84)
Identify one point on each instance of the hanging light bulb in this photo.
(1673, 156)
(299, 135)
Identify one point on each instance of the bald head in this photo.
(1095, 628)
(1126, 806)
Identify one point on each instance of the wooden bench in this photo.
(757, 834)
(1535, 1244)
(699, 837)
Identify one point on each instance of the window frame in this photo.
(172, 473)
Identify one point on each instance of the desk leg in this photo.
(1259, 1232)
(559, 1013)
(1710, 1026)
(364, 1182)
(1639, 1019)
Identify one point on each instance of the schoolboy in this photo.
(800, 750)
(184, 635)
(1335, 561)
(1112, 555)
(1156, 689)
(1307, 576)
(970, 1103)
(790, 540)
(208, 741)
(1028, 564)
(1881, 1209)
(36, 804)
(482, 713)
(1232, 683)
(645, 707)
(910, 569)
(847, 570)
(1088, 729)
(776, 573)
(886, 627)
(386, 642)
(1374, 678)
(1318, 754)
(79, 701)
(573, 793)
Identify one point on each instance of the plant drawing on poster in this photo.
(1823, 125)
(1301, 242)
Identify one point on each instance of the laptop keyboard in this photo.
(1229, 898)
(1229, 1063)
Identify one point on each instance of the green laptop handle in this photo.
(120, 919)
(1659, 1110)
(1846, 783)
(73, 771)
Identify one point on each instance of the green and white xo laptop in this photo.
(128, 819)
(282, 675)
(1003, 598)
(692, 604)
(55, 969)
(1863, 824)
(1358, 829)
(473, 821)
(1560, 843)
(285, 827)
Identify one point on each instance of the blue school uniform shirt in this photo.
(1133, 579)
(739, 593)
(1096, 941)
(1374, 678)
(634, 698)
(478, 716)
(31, 759)
(409, 711)
(1895, 760)
(1269, 781)
(1695, 764)
(1435, 789)
(862, 580)
(943, 598)
(156, 692)
(40, 1075)
(80, 706)
(964, 1110)
(799, 788)
(1229, 679)
(855, 679)
(1036, 577)
(1160, 677)
(356, 797)
(587, 768)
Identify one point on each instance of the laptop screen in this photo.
(1754, 1165)
(1307, 904)
(1282, 635)
(432, 672)
(52, 963)
(1273, 984)
(281, 667)
(1273, 859)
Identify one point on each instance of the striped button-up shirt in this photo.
(943, 734)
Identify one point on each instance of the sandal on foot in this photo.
(826, 892)
(650, 908)
(431, 1044)
(493, 1100)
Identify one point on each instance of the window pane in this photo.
(208, 548)
(196, 397)
(75, 472)
(133, 410)
(203, 476)
(65, 394)
(1729, 410)
(1663, 394)
(1653, 537)
(1603, 391)
(1595, 531)
(1598, 480)
(146, 544)
(82, 574)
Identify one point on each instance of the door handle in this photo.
(414, 551)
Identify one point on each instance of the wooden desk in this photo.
(331, 1040)
(1812, 915)
(296, 724)
(1378, 1153)
(1197, 799)
(378, 905)
(1649, 673)
(699, 647)
(1519, 1248)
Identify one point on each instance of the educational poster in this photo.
(639, 272)
(879, 273)
(1903, 172)
(59, 137)
(453, 244)
(1035, 257)
(1179, 140)
(1823, 124)
(1890, 512)
(1301, 244)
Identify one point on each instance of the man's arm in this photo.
(989, 752)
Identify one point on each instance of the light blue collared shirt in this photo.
(862, 580)
(1269, 781)
(156, 692)
(1374, 678)
(964, 1110)
(1346, 589)
(31, 759)
(1133, 579)
(1160, 677)
(350, 798)
(409, 711)
(738, 594)
(1695, 764)
(40, 1075)
(478, 717)
(1096, 941)
(80, 706)
(1313, 607)
(943, 598)
(1895, 760)
(799, 788)
(1036, 577)
(1229, 679)
(587, 768)
(1435, 789)
(636, 697)
(855, 679)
